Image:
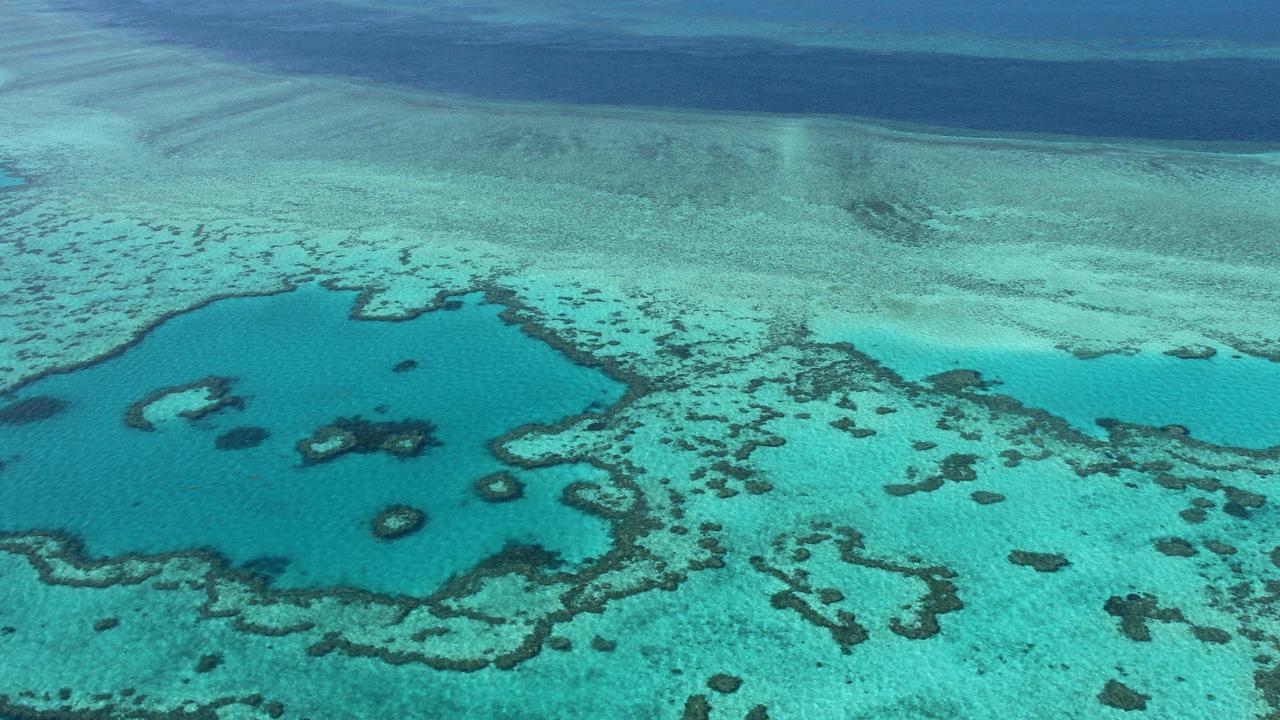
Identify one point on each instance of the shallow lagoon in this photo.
(299, 363)
(1228, 399)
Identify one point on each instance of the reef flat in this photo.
(735, 509)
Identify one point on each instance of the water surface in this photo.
(1228, 399)
(1200, 100)
(299, 363)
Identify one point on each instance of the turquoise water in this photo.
(1228, 399)
(299, 363)
(718, 512)
(7, 180)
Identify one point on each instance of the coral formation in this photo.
(749, 445)
(31, 410)
(192, 401)
(398, 521)
(241, 438)
(499, 487)
(401, 438)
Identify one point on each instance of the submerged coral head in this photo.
(401, 438)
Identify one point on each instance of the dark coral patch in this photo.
(1193, 515)
(1192, 352)
(724, 683)
(959, 381)
(958, 467)
(1235, 509)
(1040, 562)
(209, 662)
(1244, 498)
(696, 707)
(842, 625)
(848, 425)
(1134, 610)
(241, 438)
(520, 558)
(402, 438)
(1175, 547)
(984, 497)
(33, 409)
(1268, 684)
(1220, 548)
(829, 595)
(398, 521)
(1213, 635)
(499, 487)
(1093, 353)
(1122, 697)
(267, 567)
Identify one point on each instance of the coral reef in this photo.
(191, 401)
(241, 438)
(398, 521)
(401, 438)
(499, 487)
(31, 410)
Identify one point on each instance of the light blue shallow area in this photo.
(300, 363)
(1228, 399)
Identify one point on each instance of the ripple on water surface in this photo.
(230, 390)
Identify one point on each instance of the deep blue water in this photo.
(299, 362)
(1084, 20)
(1200, 100)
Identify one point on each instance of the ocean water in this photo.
(300, 363)
(1227, 399)
(1211, 99)
(1251, 20)
(644, 307)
